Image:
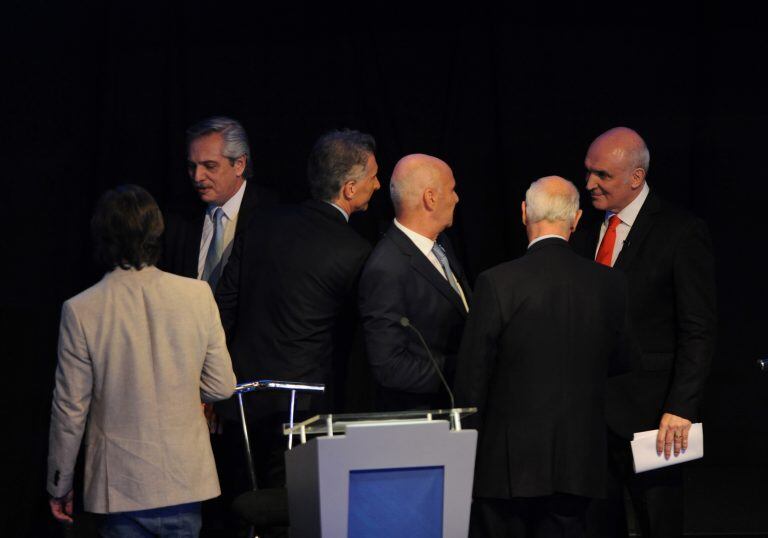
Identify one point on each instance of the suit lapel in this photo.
(424, 267)
(249, 202)
(592, 239)
(642, 225)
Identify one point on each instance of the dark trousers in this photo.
(657, 498)
(552, 516)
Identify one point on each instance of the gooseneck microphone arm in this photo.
(405, 322)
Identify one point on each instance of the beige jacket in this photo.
(137, 353)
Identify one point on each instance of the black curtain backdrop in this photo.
(99, 94)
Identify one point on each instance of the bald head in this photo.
(422, 190)
(551, 207)
(617, 163)
(625, 146)
(413, 174)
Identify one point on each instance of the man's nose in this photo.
(591, 181)
(199, 173)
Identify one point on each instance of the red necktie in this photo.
(605, 252)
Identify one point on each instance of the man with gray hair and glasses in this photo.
(544, 333)
(198, 240)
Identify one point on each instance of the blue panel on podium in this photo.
(396, 502)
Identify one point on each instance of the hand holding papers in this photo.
(645, 455)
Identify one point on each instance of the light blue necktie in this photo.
(212, 268)
(439, 253)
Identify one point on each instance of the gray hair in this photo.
(641, 158)
(552, 205)
(333, 160)
(232, 133)
(404, 192)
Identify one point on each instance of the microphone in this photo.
(405, 322)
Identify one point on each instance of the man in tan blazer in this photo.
(138, 352)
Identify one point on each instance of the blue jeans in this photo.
(178, 521)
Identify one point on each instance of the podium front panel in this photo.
(326, 474)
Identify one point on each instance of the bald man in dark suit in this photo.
(413, 273)
(666, 255)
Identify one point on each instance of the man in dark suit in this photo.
(198, 239)
(413, 273)
(289, 289)
(197, 243)
(544, 333)
(666, 255)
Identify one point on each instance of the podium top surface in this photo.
(337, 423)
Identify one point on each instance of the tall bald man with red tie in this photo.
(666, 254)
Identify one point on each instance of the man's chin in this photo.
(206, 197)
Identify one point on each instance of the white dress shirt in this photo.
(231, 209)
(541, 238)
(425, 244)
(627, 216)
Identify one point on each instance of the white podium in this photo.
(381, 474)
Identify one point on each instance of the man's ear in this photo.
(638, 177)
(349, 189)
(429, 197)
(576, 220)
(524, 216)
(239, 165)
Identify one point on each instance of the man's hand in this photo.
(673, 431)
(214, 425)
(61, 507)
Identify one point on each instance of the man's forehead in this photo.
(600, 155)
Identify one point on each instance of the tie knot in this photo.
(438, 250)
(217, 214)
(613, 222)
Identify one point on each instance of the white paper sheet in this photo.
(644, 450)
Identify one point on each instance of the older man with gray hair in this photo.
(198, 240)
(543, 335)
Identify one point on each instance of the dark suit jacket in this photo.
(667, 259)
(542, 335)
(184, 228)
(398, 280)
(285, 299)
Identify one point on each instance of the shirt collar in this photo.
(542, 237)
(232, 206)
(629, 213)
(424, 244)
(346, 217)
